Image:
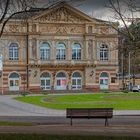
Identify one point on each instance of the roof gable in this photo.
(63, 13)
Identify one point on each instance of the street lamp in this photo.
(1, 72)
(129, 71)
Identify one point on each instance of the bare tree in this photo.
(10, 8)
(127, 13)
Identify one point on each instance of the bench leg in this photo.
(106, 122)
(71, 122)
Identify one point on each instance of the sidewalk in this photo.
(126, 112)
(11, 107)
(74, 130)
(124, 122)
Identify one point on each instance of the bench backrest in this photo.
(89, 112)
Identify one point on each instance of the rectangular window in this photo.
(61, 54)
(58, 82)
(113, 79)
(103, 55)
(11, 83)
(44, 54)
(89, 29)
(13, 53)
(76, 54)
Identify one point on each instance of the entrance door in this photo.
(14, 82)
(61, 81)
(45, 84)
(61, 84)
(76, 81)
(104, 81)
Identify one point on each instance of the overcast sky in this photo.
(94, 8)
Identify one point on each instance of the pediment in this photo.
(63, 14)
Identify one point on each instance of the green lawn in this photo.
(118, 101)
(49, 137)
(8, 123)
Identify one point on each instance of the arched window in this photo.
(61, 74)
(45, 51)
(61, 51)
(76, 51)
(14, 75)
(76, 80)
(13, 51)
(104, 52)
(89, 29)
(45, 80)
(104, 74)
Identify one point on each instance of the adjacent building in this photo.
(59, 48)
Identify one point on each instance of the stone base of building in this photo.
(114, 87)
(92, 88)
(37, 89)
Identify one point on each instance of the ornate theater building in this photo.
(59, 48)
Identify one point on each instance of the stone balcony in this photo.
(107, 63)
(62, 63)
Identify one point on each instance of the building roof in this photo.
(35, 12)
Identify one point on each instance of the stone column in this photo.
(53, 51)
(69, 51)
(69, 80)
(53, 80)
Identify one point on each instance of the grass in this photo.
(118, 101)
(49, 137)
(7, 123)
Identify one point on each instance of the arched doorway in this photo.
(104, 80)
(76, 80)
(45, 81)
(61, 81)
(14, 82)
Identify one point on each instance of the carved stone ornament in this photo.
(14, 28)
(62, 29)
(34, 48)
(62, 15)
(90, 49)
(104, 30)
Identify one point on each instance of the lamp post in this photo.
(122, 70)
(129, 70)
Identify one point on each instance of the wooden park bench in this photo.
(102, 113)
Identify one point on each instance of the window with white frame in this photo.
(13, 51)
(76, 51)
(61, 51)
(45, 81)
(104, 52)
(76, 80)
(45, 51)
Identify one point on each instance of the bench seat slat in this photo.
(90, 112)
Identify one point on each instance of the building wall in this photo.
(89, 33)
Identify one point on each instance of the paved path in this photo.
(11, 107)
(74, 130)
(123, 122)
